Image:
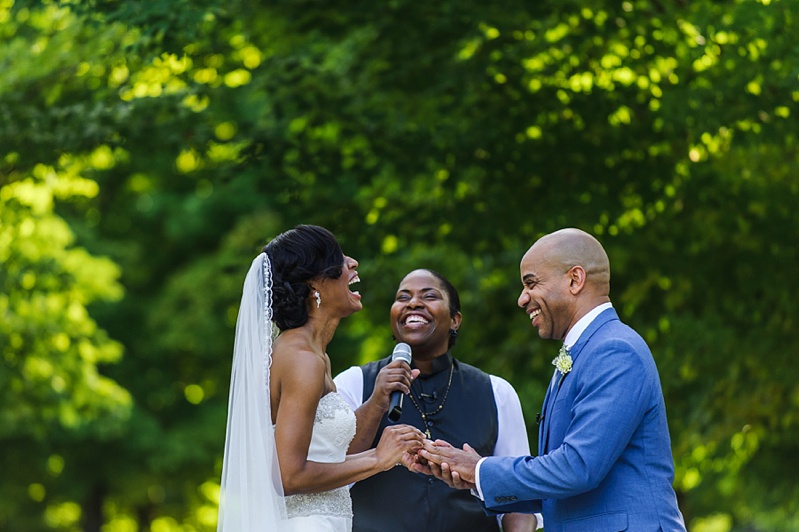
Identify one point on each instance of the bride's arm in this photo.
(299, 382)
(396, 376)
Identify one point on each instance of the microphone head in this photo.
(402, 351)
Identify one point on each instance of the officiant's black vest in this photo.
(400, 501)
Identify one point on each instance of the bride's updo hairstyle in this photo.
(297, 256)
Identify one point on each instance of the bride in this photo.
(285, 465)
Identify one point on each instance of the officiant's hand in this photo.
(453, 464)
(394, 377)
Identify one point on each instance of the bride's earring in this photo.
(318, 298)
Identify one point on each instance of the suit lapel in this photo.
(552, 394)
(543, 425)
(544, 432)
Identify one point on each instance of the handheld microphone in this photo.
(402, 351)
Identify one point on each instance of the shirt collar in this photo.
(582, 324)
(438, 364)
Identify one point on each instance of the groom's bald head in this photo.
(571, 247)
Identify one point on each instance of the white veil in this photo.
(252, 492)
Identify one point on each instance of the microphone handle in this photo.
(395, 406)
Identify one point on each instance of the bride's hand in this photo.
(416, 464)
(397, 444)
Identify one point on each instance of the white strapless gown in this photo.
(329, 511)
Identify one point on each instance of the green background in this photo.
(149, 149)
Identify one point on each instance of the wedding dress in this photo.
(328, 511)
(251, 490)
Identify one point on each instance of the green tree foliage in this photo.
(53, 395)
(178, 137)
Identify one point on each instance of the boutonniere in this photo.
(563, 362)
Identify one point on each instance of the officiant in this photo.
(447, 400)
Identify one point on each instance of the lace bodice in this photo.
(333, 429)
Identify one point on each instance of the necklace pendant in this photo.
(427, 432)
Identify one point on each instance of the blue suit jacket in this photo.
(605, 460)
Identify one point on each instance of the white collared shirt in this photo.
(582, 324)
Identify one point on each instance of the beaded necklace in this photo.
(437, 410)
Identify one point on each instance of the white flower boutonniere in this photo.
(563, 361)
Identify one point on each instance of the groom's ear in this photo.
(577, 279)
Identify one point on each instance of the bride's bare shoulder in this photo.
(294, 356)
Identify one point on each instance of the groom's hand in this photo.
(451, 478)
(456, 467)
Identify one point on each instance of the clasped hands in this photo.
(456, 467)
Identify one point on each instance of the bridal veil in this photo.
(252, 498)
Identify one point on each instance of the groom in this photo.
(604, 459)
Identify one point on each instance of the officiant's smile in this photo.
(421, 316)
